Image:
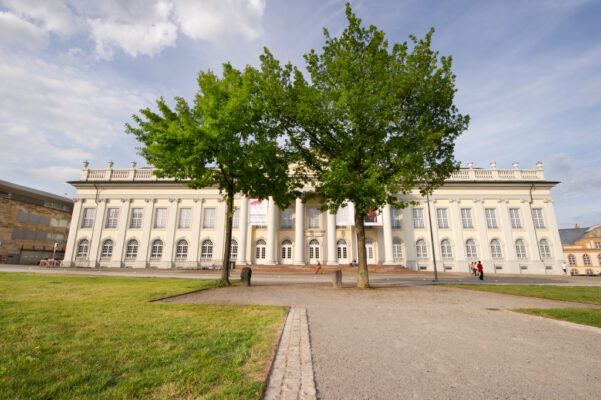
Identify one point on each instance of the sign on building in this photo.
(373, 218)
(346, 215)
(257, 212)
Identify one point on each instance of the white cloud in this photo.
(15, 29)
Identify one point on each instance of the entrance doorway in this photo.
(371, 251)
(342, 250)
(286, 252)
(260, 250)
(313, 251)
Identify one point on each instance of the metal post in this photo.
(432, 239)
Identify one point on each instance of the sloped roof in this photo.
(571, 236)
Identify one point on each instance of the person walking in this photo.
(480, 270)
(565, 268)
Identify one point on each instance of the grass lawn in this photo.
(75, 337)
(580, 294)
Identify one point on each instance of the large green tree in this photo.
(371, 123)
(226, 139)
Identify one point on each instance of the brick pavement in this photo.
(291, 375)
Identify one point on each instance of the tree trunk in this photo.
(229, 215)
(363, 278)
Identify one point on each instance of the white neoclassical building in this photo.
(131, 218)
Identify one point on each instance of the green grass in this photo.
(67, 337)
(580, 294)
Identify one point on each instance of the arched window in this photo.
(495, 249)
(587, 259)
(181, 250)
(131, 251)
(206, 249)
(313, 251)
(286, 251)
(445, 249)
(82, 248)
(260, 249)
(234, 250)
(342, 249)
(397, 249)
(520, 249)
(420, 249)
(107, 249)
(572, 259)
(545, 250)
(470, 249)
(156, 251)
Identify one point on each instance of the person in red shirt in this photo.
(480, 270)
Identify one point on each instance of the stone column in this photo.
(243, 232)
(121, 230)
(71, 247)
(457, 227)
(555, 240)
(511, 265)
(299, 233)
(147, 217)
(167, 259)
(331, 238)
(271, 233)
(194, 256)
(533, 253)
(484, 253)
(409, 254)
(96, 231)
(218, 254)
(387, 235)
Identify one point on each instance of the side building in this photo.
(582, 249)
(31, 222)
(131, 218)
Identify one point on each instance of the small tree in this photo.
(372, 123)
(224, 140)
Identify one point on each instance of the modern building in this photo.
(131, 218)
(582, 249)
(31, 223)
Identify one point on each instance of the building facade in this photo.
(31, 223)
(131, 218)
(582, 249)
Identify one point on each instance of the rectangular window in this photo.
(286, 219)
(395, 215)
(136, 218)
(59, 223)
(208, 221)
(418, 218)
(441, 216)
(491, 218)
(185, 216)
(466, 218)
(87, 219)
(160, 217)
(537, 214)
(514, 213)
(236, 218)
(313, 217)
(112, 215)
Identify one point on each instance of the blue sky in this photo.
(73, 72)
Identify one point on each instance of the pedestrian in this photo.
(318, 269)
(565, 268)
(474, 269)
(480, 270)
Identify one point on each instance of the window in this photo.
(597, 245)
(60, 223)
(418, 217)
(520, 249)
(313, 218)
(545, 250)
(514, 214)
(236, 219)
(314, 250)
(136, 218)
(286, 219)
(587, 259)
(82, 248)
(395, 215)
(131, 251)
(397, 249)
(112, 216)
(572, 259)
(181, 250)
(371, 217)
(420, 248)
(441, 216)
(537, 215)
(160, 217)
(208, 222)
(495, 249)
(466, 218)
(185, 217)
(286, 250)
(156, 251)
(87, 220)
(342, 249)
(56, 237)
(491, 218)
(260, 249)
(470, 249)
(445, 247)
(234, 250)
(107, 249)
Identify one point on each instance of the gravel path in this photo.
(433, 342)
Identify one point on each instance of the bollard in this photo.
(337, 279)
(245, 276)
